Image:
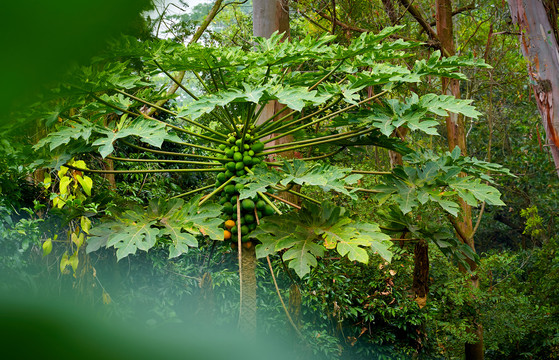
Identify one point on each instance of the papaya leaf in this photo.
(72, 130)
(325, 176)
(262, 179)
(173, 223)
(472, 191)
(307, 234)
(150, 132)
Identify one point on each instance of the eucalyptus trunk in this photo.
(538, 41)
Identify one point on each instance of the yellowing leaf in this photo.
(85, 224)
(63, 186)
(47, 247)
(86, 183)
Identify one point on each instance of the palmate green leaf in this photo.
(472, 191)
(441, 104)
(325, 176)
(133, 230)
(173, 223)
(307, 234)
(72, 130)
(203, 220)
(414, 112)
(150, 132)
(132, 236)
(261, 181)
(294, 97)
(446, 66)
(432, 178)
(379, 242)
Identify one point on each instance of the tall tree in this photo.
(269, 16)
(456, 136)
(539, 45)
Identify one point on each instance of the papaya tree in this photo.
(218, 134)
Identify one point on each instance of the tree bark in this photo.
(421, 273)
(247, 320)
(539, 47)
(268, 16)
(457, 137)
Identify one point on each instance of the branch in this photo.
(419, 18)
(465, 239)
(180, 75)
(469, 7)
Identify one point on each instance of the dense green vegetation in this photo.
(137, 204)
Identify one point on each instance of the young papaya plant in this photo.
(221, 132)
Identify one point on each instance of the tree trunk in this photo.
(539, 47)
(247, 319)
(268, 16)
(457, 137)
(421, 273)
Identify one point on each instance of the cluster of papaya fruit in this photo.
(241, 154)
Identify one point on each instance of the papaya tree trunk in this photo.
(247, 319)
(268, 16)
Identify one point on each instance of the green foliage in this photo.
(438, 180)
(174, 224)
(309, 233)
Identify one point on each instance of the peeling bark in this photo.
(539, 47)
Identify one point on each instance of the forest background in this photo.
(341, 309)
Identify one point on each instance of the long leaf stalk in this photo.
(327, 116)
(327, 75)
(276, 126)
(290, 148)
(208, 129)
(312, 140)
(312, 158)
(194, 97)
(269, 202)
(271, 119)
(169, 153)
(371, 172)
(222, 79)
(279, 188)
(214, 81)
(202, 82)
(224, 108)
(257, 116)
(283, 200)
(179, 84)
(232, 127)
(363, 190)
(197, 146)
(177, 128)
(163, 161)
(147, 171)
(192, 191)
(218, 189)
